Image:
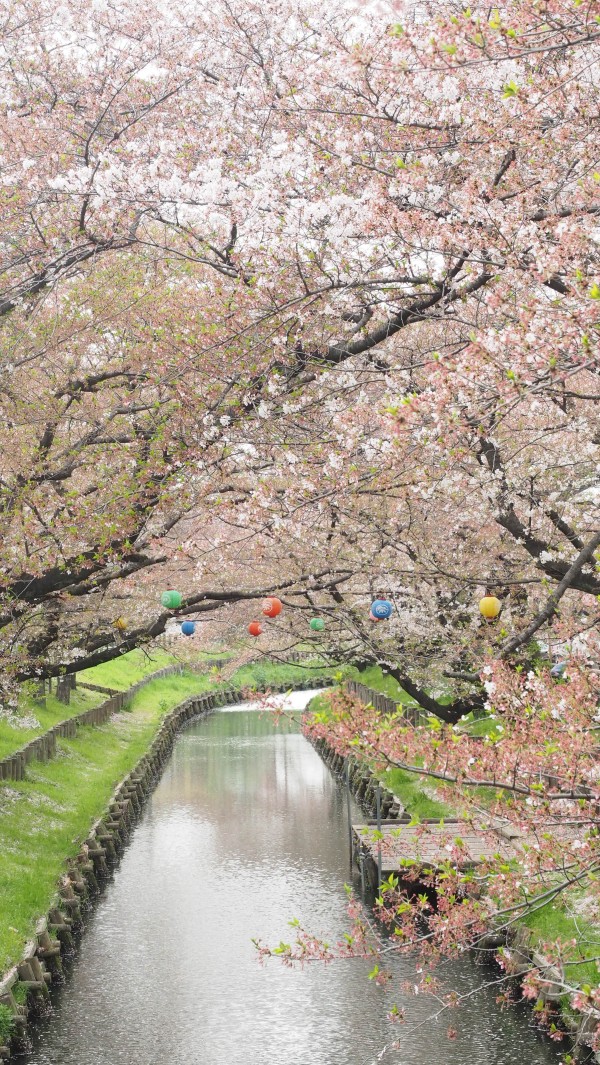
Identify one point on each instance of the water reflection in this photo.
(246, 830)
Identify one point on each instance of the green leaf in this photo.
(283, 948)
(510, 89)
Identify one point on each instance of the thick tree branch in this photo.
(449, 712)
(416, 312)
(568, 581)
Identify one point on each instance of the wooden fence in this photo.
(44, 747)
(382, 703)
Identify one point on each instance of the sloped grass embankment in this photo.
(44, 818)
(33, 718)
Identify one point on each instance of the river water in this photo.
(247, 830)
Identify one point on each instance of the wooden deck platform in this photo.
(427, 845)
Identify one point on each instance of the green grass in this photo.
(6, 1024)
(11, 738)
(552, 922)
(259, 674)
(162, 694)
(318, 704)
(409, 790)
(122, 672)
(374, 677)
(44, 818)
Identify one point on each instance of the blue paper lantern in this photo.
(381, 608)
(188, 628)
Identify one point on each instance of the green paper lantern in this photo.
(171, 599)
(317, 624)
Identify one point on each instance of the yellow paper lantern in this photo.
(120, 624)
(490, 607)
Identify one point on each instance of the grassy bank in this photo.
(415, 793)
(374, 677)
(122, 672)
(260, 675)
(558, 920)
(38, 719)
(32, 718)
(44, 818)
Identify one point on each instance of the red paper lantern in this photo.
(271, 607)
(255, 628)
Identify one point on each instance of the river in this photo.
(246, 830)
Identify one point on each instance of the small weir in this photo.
(246, 830)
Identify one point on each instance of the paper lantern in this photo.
(558, 669)
(171, 599)
(120, 624)
(490, 607)
(381, 609)
(188, 628)
(255, 628)
(317, 624)
(271, 607)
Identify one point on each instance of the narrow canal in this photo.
(246, 830)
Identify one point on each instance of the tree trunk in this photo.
(63, 690)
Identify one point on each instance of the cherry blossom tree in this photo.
(269, 228)
(304, 299)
